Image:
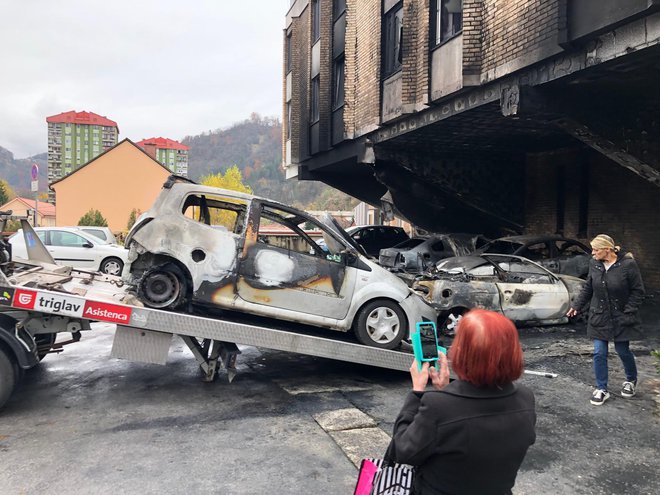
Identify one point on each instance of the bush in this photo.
(135, 213)
(93, 218)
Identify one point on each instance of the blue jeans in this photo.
(600, 362)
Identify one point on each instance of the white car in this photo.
(103, 233)
(72, 247)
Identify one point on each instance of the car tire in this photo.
(163, 287)
(382, 324)
(8, 376)
(112, 266)
(451, 320)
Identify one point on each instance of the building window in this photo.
(338, 83)
(338, 8)
(448, 19)
(393, 34)
(314, 107)
(288, 120)
(288, 53)
(316, 20)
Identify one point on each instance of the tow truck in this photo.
(40, 299)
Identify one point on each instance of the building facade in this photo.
(74, 138)
(489, 116)
(168, 152)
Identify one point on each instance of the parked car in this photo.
(373, 238)
(558, 254)
(201, 245)
(417, 253)
(103, 233)
(512, 285)
(72, 247)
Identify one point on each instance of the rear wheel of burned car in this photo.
(163, 287)
(381, 323)
(449, 323)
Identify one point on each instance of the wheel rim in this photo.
(112, 267)
(383, 325)
(451, 324)
(161, 289)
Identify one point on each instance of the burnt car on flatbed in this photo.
(201, 245)
(520, 289)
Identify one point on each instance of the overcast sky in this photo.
(156, 67)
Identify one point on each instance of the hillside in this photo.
(17, 171)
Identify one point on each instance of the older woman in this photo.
(613, 292)
(469, 436)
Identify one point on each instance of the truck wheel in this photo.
(381, 324)
(8, 377)
(163, 288)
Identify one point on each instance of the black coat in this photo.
(613, 298)
(465, 439)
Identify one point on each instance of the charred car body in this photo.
(520, 289)
(201, 245)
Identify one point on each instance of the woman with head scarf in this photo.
(613, 293)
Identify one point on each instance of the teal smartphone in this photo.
(425, 343)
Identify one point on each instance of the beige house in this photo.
(25, 207)
(116, 182)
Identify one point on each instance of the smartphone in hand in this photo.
(425, 343)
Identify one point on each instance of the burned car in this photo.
(520, 289)
(417, 253)
(556, 253)
(204, 246)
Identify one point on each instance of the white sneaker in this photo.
(599, 396)
(628, 389)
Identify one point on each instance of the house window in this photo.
(448, 20)
(338, 8)
(316, 20)
(288, 53)
(338, 83)
(314, 107)
(288, 120)
(393, 30)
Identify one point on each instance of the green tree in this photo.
(232, 179)
(93, 218)
(6, 192)
(135, 213)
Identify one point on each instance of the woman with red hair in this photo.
(471, 435)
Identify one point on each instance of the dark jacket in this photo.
(613, 298)
(465, 439)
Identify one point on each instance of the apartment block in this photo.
(74, 138)
(488, 116)
(168, 152)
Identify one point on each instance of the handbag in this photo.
(384, 477)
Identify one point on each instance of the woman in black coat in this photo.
(613, 292)
(469, 436)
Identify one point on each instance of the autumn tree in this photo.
(232, 179)
(6, 192)
(135, 213)
(93, 218)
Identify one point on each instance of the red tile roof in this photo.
(45, 209)
(163, 143)
(88, 118)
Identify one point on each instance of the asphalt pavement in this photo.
(83, 422)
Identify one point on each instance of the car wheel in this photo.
(451, 322)
(44, 343)
(112, 266)
(8, 377)
(163, 288)
(381, 324)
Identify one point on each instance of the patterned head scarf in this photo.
(603, 241)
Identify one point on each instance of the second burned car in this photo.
(203, 245)
(522, 290)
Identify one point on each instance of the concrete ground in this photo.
(290, 424)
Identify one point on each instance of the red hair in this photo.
(486, 350)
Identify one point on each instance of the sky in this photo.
(156, 67)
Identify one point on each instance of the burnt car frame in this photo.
(520, 289)
(201, 245)
(556, 253)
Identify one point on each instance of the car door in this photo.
(573, 258)
(72, 249)
(529, 292)
(287, 270)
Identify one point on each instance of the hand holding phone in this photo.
(425, 344)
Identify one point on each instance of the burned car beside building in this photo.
(200, 245)
(520, 289)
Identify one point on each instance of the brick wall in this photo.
(300, 30)
(620, 204)
(325, 75)
(516, 29)
(472, 37)
(415, 52)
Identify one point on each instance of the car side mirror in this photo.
(349, 256)
(88, 245)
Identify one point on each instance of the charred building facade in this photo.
(489, 116)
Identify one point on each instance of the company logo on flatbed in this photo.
(107, 312)
(51, 303)
(6, 295)
(24, 298)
